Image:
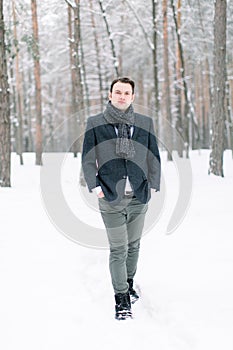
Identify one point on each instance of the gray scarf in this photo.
(123, 120)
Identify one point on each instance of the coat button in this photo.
(124, 177)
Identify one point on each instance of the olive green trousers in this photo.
(124, 225)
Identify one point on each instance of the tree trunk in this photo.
(168, 136)
(79, 76)
(206, 87)
(74, 107)
(216, 156)
(19, 98)
(231, 109)
(13, 108)
(98, 57)
(178, 83)
(36, 57)
(198, 83)
(5, 144)
(207, 104)
(86, 100)
(182, 122)
(28, 109)
(153, 47)
(155, 65)
(229, 128)
(187, 112)
(113, 49)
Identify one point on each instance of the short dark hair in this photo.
(124, 80)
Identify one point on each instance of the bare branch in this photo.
(149, 42)
(71, 3)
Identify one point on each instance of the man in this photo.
(121, 162)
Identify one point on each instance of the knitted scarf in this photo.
(123, 120)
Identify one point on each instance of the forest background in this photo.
(57, 59)
(62, 56)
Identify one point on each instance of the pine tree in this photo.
(216, 156)
(5, 153)
(36, 57)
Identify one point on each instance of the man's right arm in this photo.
(99, 192)
(89, 164)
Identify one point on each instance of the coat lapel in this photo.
(135, 129)
(111, 130)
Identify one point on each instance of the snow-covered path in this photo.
(56, 294)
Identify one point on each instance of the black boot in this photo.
(132, 292)
(123, 306)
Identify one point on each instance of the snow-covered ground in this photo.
(56, 294)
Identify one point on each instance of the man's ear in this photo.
(133, 96)
(110, 95)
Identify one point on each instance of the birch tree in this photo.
(5, 145)
(218, 127)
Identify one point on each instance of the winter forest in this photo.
(60, 57)
(57, 61)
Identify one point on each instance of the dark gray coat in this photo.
(102, 167)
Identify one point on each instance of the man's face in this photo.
(121, 96)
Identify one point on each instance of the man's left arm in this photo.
(153, 160)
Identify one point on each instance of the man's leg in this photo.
(114, 219)
(132, 258)
(118, 271)
(136, 212)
